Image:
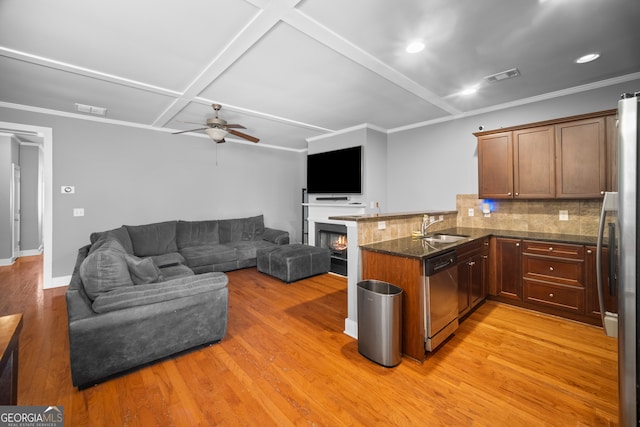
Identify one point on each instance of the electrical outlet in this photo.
(471, 212)
(564, 216)
(381, 225)
(78, 211)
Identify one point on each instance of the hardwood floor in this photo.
(285, 361)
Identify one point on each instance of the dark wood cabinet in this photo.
(508, 269)
(593, 303)
(472, 272)
(580, 159)
(567, 158)
(553, 276)
(534, 154)
(495, 166)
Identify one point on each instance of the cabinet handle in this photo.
(550, 295)
(550, 268)
(550, 249)
(472, 263)
(602, 192)
(509, 193)
(589, 251)
(517, 244)
(485, 256)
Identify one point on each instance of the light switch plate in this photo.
(381, 225)
(564, 216)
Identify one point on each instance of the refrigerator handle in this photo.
(612, 259)
(609, 203)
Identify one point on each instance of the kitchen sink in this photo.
(444, 238)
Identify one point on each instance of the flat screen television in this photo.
(335, 172)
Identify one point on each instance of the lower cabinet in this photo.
(472, 274)
(508, 270)
(556, 278)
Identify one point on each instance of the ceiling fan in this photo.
(218, 128)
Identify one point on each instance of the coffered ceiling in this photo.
(289, 70)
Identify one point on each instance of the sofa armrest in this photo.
(279, 237)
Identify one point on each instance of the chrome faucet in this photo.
(426, 225)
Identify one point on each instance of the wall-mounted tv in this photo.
(335, 172)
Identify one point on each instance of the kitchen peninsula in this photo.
(547, 272)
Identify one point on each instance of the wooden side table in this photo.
(10, 327)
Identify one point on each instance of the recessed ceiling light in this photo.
(415, 46)
(587, 58)
(469, 90)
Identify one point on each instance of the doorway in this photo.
(15, 211)
(43, 136)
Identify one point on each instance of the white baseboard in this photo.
(31, 252)
(351, 328)
(7, 261)
(59, 281)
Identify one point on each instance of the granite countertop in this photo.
(387, 216)
(416, 247)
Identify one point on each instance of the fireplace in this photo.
(334, 237)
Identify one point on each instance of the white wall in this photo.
(428, 166)
(30, 229)
(125, 175)
(9, 155)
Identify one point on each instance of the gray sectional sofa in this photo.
(142, 293)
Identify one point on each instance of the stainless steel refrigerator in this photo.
(619, 233)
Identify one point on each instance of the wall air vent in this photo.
(90, 109)
(502, 75)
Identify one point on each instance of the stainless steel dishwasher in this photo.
(441, 298)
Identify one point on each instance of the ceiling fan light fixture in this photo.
(589, 57)
(216, 134)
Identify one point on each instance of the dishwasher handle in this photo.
(441, 262)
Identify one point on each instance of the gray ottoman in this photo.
(293, 262)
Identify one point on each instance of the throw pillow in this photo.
(153, 239)
(105, 269)
(142, 270)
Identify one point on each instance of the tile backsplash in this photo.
(531, 215)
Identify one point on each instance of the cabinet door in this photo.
(495, 166)
(534, 175)
(476, 288)
(464, 288)
(593, 303)
(580, 159)
(509, 268)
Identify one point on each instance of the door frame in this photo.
(46, 134)
(15, 211)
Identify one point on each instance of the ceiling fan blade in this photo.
(243, 135)
(193, 123)
(236, 126)
(190, 130)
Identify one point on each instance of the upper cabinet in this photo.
(563, 158)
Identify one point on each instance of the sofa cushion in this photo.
(120, 234)
(196, 233)
(247, 249)
(167, 260)
(105, 269)
(175, 271)
(153, 239)
(142, 270)
(134, 296)
(234, 230)
(198, 256)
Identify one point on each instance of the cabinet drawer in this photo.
(560, 250)
(566, 298)
(471, 248)
(557, 270)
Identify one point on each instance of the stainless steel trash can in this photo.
(380, 322)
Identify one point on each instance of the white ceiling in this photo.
(290, 70)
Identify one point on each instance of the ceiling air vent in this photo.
(90, 109)
(502, 75)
